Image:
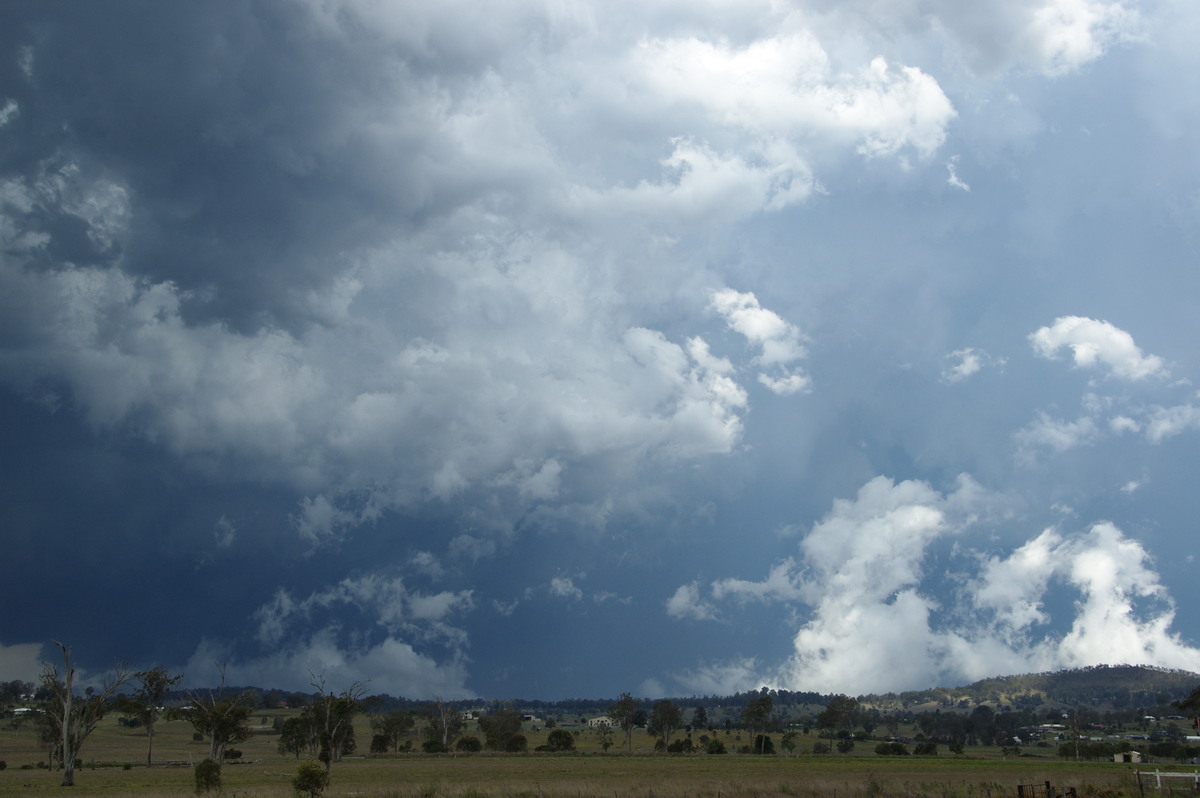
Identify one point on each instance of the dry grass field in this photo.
(982, 773)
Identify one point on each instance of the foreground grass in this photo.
(612, 776)
(982, 773)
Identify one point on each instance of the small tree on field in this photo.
(296, 736)
(756, 714)
(445, 724)
(221, 717)
(392, 727)
(624, 713)
(145, 703)
(665, 718)
(332, 719)
(501, 728)
(560, 740)
(311, 779)
(208, 776)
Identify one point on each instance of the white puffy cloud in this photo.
(1167, 422)
(685, 602)
(1064, 35)
(1094, 343)
(779, 342)
(1053, 37)
(564, 587)
(783, 86)
(1056, 435)
(967, 362)
(782, 584)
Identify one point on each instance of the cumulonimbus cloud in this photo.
(875, 626)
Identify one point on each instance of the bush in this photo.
(433, 747)
(715, 746)
(560, 740)
(380, 743)
(926, 749)
(821, 748)
(845, 745)
(311, 779)
(516, 744)
(681, 746)
(891, 749)
(3, 764)
(763, 745)
(233, 753)
(208, 777)
(469, 745)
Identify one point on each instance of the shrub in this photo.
(715, 746)
(433, 747)
(681, 746)
(3, 764)
(891, 749)
(845, 746)
(516, 744)
(380, 743)
(311, 779)
(763, 744)
(233, 753)
(821, 748)
(926, 749)
(560, 740)
(468, 745)
(208, 777)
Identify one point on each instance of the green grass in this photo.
(981, 773)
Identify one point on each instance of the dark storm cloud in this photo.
(373, 336)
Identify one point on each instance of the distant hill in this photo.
(1101, 687)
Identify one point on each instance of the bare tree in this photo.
(69, 718)
(146, 702)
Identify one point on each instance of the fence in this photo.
(1043, 790)
(1167, 782)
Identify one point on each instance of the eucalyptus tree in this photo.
(69, 718)
(665, 718)
(220, 715)
(623, 711)
(146, 703)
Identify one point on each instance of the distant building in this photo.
(602, 722)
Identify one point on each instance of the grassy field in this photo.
(981, 773)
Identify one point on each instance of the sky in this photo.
(564, 348)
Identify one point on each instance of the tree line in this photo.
(324, 728)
